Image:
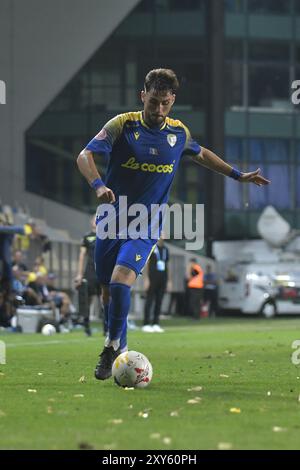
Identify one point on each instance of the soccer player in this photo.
(145, 149)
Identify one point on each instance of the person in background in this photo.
(18, 260)
(156, 280)
(86, 280)
(211, 290)
(194, 288)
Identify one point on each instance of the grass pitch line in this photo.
(46, 343)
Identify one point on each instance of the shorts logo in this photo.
(138, 257)
(101, 135)
(172, 139)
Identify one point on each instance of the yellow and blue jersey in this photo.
(143, 160)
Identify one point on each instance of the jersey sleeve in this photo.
(191, 147)
(103, 142)
(84, 243)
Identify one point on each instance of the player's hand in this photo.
(254, 177)
(105, 195)
(78, 280)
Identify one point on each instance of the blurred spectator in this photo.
(86, 280)
(34, 244)
(155, 282)
(211, 290)
(39, 266)
(21, 289)
(194, 288)
(7, 233)
(60, 298)
(18, 260)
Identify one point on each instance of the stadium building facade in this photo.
(236, 60)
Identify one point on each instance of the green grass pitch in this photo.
(249, 397)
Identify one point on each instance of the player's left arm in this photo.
(210, 160)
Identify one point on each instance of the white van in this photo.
(260, 288)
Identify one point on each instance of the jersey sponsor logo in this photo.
(136, 135)
(138, 257)
(172, 139)
(101, 135)
(132, 164)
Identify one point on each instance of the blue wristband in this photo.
(97, 183)
(235, 174)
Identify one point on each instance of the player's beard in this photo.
(156, 120)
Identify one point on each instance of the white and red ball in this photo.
(132, 369)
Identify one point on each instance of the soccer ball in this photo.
(132, 369)
(48, 330)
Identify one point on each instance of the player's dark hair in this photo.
(161, 80)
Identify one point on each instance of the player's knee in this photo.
(123, 275)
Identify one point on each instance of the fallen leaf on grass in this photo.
(40, 373)
(224, 446)
(82, 380)
(195, 389)
(155, 435)
(194, 401)
(115, 421)
(224, 376)
(143, 414)
(49, 410)
(278, 429)
(174, 414)
(78, 395)
(235, 410)
(167, 441)
(31, 390)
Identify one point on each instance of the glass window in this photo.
(234, 6)
(233, 84)
(234, 49)
(270, 51)
(298, 176)
(186, 4)
(269, 86)
(234, 73)
(297, 6)
(272, 157)
(269, 6)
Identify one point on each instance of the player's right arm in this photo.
(87, 168)
(102, 143)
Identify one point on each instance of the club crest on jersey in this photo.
(172, 139)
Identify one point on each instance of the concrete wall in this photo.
(42, 45)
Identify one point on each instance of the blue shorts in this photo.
(133, 254)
